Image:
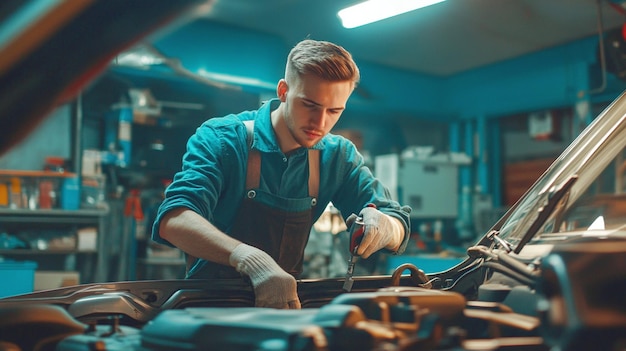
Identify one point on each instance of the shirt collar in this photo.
(264, 137)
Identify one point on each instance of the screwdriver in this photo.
(356, 234)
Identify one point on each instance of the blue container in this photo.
(118, 135)
(125, 134)
(70, 194)
(17, 277)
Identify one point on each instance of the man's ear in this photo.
(281, 90)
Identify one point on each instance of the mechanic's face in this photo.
(312, 106)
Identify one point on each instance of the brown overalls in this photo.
(281, 234)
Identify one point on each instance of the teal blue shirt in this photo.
(213, 175)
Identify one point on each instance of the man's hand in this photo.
(273, 287)
(380, 231)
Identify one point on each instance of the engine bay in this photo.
(566, 300)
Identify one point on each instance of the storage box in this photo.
(45, 280)
(87, 239)
(16, 277)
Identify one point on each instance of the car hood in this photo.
(53, 49)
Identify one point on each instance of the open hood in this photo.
(53, 49)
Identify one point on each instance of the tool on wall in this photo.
(133, 227)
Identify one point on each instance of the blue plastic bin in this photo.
(16, 277)
(70, 194)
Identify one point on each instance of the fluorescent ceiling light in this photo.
(376, 10)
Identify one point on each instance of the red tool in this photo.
(356, 234)
(132, 206)
(357, 229)
(133, 215)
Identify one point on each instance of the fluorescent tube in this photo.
(376, 10)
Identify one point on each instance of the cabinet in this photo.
(439, 198)
(37, 229)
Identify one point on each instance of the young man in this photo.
(249, 192)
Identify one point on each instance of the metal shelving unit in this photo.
(95, 267)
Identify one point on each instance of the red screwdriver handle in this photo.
(356, 234)
(357, 229)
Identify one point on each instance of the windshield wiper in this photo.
(554, 197)
(505, 245)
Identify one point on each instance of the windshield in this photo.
(597, 199)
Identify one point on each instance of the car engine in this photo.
(565, 300)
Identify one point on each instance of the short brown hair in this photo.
(323, 59)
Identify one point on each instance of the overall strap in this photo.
(253, 172)
(314, 172)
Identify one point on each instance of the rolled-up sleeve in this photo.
(211, 165)
(357, 187)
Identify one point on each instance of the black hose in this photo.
(514, 264)
(510, 273)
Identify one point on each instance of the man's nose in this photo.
(319, 118)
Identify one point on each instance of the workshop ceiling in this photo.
(444, 39)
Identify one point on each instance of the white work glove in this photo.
(273, 287)
(380, 231)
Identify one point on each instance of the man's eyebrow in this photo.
(318, 104)
(311, 102)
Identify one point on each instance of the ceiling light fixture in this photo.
(376, 10)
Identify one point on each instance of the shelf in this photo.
(51, 216)
(43, 174)
(44, 252)
(54, 212)
(92, 263)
